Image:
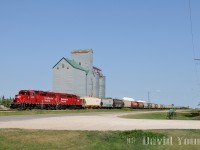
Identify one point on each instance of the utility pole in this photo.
(149, 99)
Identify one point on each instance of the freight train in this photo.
(31, 99)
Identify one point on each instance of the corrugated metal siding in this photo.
(96, 85)
(75, 81)
(63, 78)
(67, 79)
(102, 87)
(89, 84)
(79, 82)
(84, 58)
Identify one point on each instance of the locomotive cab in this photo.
(23, 100)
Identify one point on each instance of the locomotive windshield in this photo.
(24, 93)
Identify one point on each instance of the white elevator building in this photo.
(79, 76)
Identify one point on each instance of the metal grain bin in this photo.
(127, 104)
(92, 102)
(107, 103)
(118, 103)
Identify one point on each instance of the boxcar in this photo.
(106, 103)
(117, 103)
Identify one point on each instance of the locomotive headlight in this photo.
(18, 96)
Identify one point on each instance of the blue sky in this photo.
(140, 45)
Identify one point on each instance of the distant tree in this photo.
(6, 102)
(9, 101)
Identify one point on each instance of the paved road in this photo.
(92, 121)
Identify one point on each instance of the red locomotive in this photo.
(30, 99)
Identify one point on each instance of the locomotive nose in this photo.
(17, 98)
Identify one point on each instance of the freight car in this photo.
(140, 105)
(107, 103)
(91, 102)
(146, 105)
(134, 104)
(117, 103)
(127, 104)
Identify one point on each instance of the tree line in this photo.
(5, 101)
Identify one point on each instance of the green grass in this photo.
(39, 111)
(12, 139)
(185, 115)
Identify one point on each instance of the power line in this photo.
(193, 46)
(191, 29)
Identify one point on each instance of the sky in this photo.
(142, 46)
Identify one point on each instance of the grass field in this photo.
(185, 115)
(39, 111)
(12, 139)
